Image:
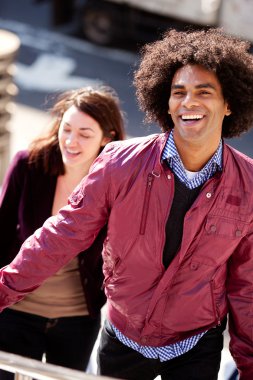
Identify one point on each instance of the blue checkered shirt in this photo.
(170, 154)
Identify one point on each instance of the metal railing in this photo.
(29, 369)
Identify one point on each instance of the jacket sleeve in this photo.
(60, 238)
(240, 298)
(9, 203)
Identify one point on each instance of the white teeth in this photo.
(72, 151)
(192, 117)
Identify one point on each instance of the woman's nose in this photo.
(71, 139)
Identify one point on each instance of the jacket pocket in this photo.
(225, 227)
(217, 295)
(144, 214)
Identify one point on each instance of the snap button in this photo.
(213, 228)
(238, 233)
(194, 266)
(169, 176)
(208, 195)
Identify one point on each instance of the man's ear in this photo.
(228, 111)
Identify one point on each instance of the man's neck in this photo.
(195, 156)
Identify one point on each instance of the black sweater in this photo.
(182, 201)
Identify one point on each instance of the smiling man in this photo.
(197, 108)
(178, 257)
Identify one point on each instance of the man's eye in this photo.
(204, 92)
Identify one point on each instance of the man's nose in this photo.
(189, 100)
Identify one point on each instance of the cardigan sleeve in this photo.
(10, 199)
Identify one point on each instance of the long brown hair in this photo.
(101, 103)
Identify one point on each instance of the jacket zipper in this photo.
(215, 306)
(146, 203)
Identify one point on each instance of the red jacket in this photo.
(211, 275)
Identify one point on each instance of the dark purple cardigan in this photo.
(25, 203)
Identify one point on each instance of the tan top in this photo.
(59, 296)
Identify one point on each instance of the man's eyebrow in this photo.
(206, 85)
(202, 85)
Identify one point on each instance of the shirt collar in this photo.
(170, 153)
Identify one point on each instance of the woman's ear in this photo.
(107, 139)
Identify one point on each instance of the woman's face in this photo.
(80, 139)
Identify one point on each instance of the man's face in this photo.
(197, 106)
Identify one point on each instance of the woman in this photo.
(61, 319)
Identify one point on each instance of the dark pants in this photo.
(201, 363)
(67, 342)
